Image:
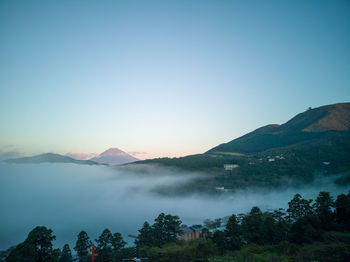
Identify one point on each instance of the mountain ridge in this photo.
(111, 156)
(49, 158)
(272, 156)
(308, 125)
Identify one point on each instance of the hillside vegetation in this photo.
(309, 230)
(315, 142)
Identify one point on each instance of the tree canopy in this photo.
(82, 245)
(36, 248)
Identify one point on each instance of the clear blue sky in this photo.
(168, 78)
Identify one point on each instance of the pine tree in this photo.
(299, 207)
(342, 212)
(104, 246)
(66, 254)
(146, 236)
(36, 248)
(323, 207)
(233, 233)
(82, 245)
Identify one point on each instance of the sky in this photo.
(164, 78)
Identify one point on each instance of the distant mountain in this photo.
(114, 156)
(317, 125)
(49, 158)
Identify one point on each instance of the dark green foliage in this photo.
(199, 250)
(219, 238)
(342, 212)
(306, 229)
(23, 252)
(323, 208)
(82, 245)
(302, 235)
(66, 254)
(299, 207)
(281, 224)
(252, 226)
(285, 252)
(109, 245)
(336, 236)
(4, 254)
(334, 252)
(145, 237)
(164, 230)
(117, 242)
(104, 246)
(233, 234)
(264, 228)
(268, 229)
(36, 248)
(125, 253)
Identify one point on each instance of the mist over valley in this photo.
(68, 198)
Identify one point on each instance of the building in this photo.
(191, 233)
(220, 188)
(230, 167)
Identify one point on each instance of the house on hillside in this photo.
(191, 233)
(230, 167)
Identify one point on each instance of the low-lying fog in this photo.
(69, 198)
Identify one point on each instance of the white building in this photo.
(230, 167)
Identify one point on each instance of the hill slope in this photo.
(313, 126)
(312, 143)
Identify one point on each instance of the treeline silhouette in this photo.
(309, 230)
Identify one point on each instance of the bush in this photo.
(334, 252)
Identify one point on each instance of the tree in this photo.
(108, 245)
(282, 225)
(342, 212)
(233, 233)
(165, 229)
(323, 207)
(66, 254)
(268, 229)
(252, 226)
(306, 229)
(82, 245)
(117, 242)
(104, 246)
(299, 207)
(204, 249)
(219, 238)
(146, 236)
(36, 248)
